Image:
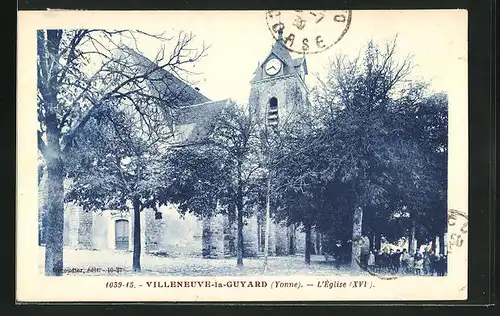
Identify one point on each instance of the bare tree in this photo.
(79, 72)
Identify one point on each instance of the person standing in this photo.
(378, 261)
(433, 262)
(437, 265)
(419, 263)
(397, 261)
(337, 254)
(405, 256)
(371, 262)
(444, 265)
(386, 261)
(427, 262)
(391, 260)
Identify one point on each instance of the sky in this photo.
(239, 40)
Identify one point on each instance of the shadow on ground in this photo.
(88, 262)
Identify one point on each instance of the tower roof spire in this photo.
(280, 32)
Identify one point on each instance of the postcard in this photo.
(232, 156)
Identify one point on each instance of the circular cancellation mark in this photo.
(309, 32)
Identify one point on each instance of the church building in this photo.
(278, 88)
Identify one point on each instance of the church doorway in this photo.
(121, 234)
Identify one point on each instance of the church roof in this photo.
(279, 49)
(193, 113)
(257, 74)
(193, 118)
(164, 80)
(297, 62)
(194, 122)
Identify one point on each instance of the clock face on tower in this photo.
(273, 66)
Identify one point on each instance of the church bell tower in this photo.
(278, 88)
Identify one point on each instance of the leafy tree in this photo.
(197, 180)
(297, 159)
(369, 134)
(79, 71)
(426, 120)
(118, 166)
(223, 168)
(369, 157)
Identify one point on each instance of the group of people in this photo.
(422, 263)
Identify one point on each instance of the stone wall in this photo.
(282, 240)
(100, 231)
(213, 236)
(80, 227)
(300, 239)
(316, 238)
(251, 237)
(273, 231)
(178, 235)
(289, 91)
(276, 233)
(181, 235)
(230, 237)
(153, 231)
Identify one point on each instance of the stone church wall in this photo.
(174, 235)
(300, 239)
(213, 236)
(250, 237)
(153, 230)
(288, 90)
(80, 227)
(179, 235)
(100, 230)
(273, 234)
(230, 238)
(282, 240)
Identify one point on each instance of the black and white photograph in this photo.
(242, 155)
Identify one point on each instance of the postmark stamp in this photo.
(309, 32)
(458, 223)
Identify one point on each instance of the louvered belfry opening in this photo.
(272, 114)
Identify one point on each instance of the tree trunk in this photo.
(268, 220)
(378, 241)
(357, 224)
(54, 216)
(307, 253)
(136, 259)
(433, 246)
(239, 209)
(48, 49)
(291, 240)
(372, 241)
(441, 244)
(232, 244)
(318, 243)
(239, 239)
(411, 239)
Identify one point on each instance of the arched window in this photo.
(273, 103)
